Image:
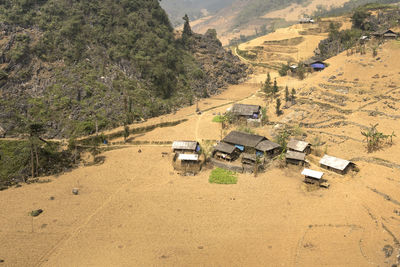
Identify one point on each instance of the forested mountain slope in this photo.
(74, 65)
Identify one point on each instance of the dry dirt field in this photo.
(134, 210)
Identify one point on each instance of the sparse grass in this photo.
(221, 176)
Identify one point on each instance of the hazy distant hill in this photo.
(176, 9)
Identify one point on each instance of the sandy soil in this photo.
(134, 210)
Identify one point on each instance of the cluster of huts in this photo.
(243, 152)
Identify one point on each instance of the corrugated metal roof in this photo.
(245, 110)
(297, 145)
(243, 139)
(184, 145)
(190, 157)
(335, 163)
(312, 174)
(267, 145)
(295, 155)
(225, 148)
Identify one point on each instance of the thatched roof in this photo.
(295, 155)
(184, 145)
(225, 148)
(243, 139)
(335, 163)
(245, 110)
(267, 145)
(297, 145)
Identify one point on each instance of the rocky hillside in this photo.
(75, 66)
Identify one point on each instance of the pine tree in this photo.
(275, 88)
(293, 97)
(287, 97)
(187, 30)
(267, 84)
(278, 107)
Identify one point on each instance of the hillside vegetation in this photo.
(78, 66)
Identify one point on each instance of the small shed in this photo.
(268, 148)
(246, 111)
(312, 177)
(243, 141)
(185, 147)
(226, 151)
(299, 146)
(295, 158)
(187, 163)
(337, 165)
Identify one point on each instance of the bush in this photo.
(221, 176)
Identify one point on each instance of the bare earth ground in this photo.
(133, 210)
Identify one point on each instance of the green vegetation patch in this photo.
(218, 118)
(222, 176)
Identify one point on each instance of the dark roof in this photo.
(184, 145)
(384, 32)
(295, 155)
(245, 110)
(243, 139)
(267, 145)
(225, 148)
(252, 157)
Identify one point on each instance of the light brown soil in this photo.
(134, 210)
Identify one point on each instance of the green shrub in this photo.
(221, 176)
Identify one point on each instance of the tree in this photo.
(275, 88)
(278, 107)
(126, 132)
(287, 97)
(264, 117)
(293, 96)
(267, 84)
(187, 30)
(359, 19)
(374, 138)
(35, 130)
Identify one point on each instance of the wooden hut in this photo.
(185, 147)
(337, 165)
(268, 148)
(295, 158)
(312, 177)
(299, 146)
(386, 34)
(187, 163)
(226, 151)
(246, 111)
(245, 142)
